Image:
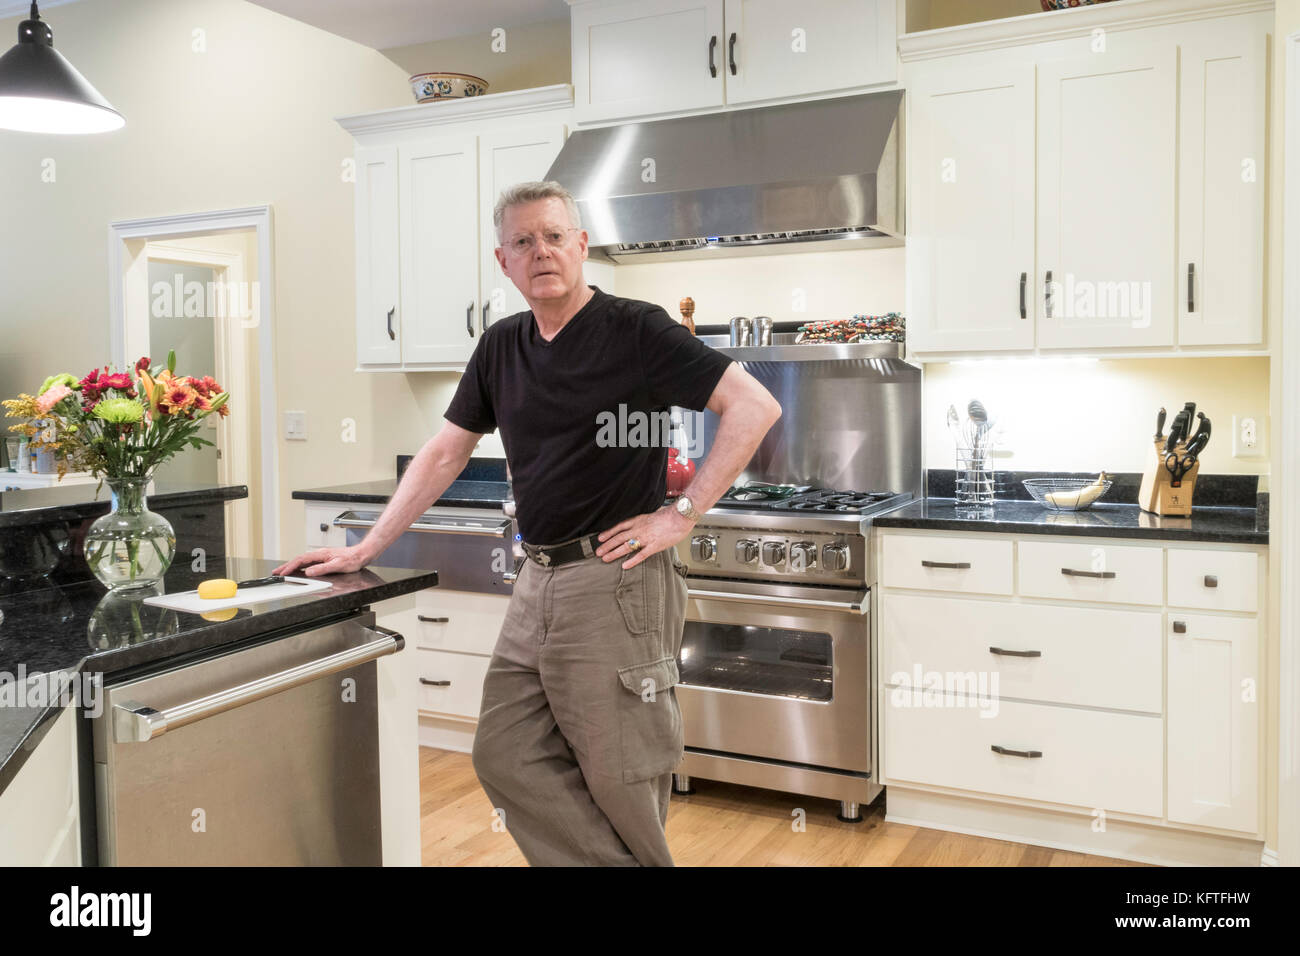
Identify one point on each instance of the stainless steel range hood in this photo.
(821, 174)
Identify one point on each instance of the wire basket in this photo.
(975, 479)
(1063, 494)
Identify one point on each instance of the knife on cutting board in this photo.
(273, 579)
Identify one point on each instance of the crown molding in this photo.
(421, 115)
(1066, 24)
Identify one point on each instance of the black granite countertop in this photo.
(1222, 524)
(460, 493)
(83, 630)
(76, 502)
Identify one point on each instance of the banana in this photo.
(1080, 499)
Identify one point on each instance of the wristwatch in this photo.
(686, 509)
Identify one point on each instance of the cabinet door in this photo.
(379, 314)
(1213, 734)
(644, 57)
(517, 156)
(1106, 153)
(439, 251)
(970, 242)
(775, 48)
(1221, 186)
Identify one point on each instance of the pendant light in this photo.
(41, 92)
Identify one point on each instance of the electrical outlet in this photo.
(295, 426)
(1248, 434)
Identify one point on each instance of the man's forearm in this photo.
(740, 430)
(425, 479)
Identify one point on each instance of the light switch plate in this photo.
(295, 426)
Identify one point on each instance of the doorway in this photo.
(199, 285)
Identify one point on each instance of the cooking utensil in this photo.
(260, 582)
(980, 417)
(1177, 466)
(1160, 425)
(954, 425)
(1176, 431)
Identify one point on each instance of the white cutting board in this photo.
(191, 602)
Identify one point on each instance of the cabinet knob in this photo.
(324, 526)
(1211, 580)
(1180, 627)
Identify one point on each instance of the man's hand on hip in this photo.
(652, 531)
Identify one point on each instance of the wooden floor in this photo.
(721, 825)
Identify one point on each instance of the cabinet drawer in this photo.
(1218, 580)
(1092, 572)
(947, 563)
(1089, 656)
(1088, 758)
(458, 620)
(320, 530)
(462, 694)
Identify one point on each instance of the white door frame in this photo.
(257, 218)
(1287, 489)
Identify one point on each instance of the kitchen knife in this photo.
(273, 579)
(1175, 431)
(1160, 425)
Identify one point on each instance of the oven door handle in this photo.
(134, 722)
(858, 605)
(349, 520)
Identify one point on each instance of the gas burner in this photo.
(757, 494)
(852, 502)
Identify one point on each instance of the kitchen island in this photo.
(94, 637)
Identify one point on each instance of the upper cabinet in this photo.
(428, 178)
(641, 58)
(1099, 190)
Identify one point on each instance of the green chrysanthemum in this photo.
(62, 378)
(119, 410)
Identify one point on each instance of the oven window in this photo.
(758, 660)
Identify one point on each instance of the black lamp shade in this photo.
(41, 92)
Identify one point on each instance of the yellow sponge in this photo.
(217, 588)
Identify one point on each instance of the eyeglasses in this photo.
(554, 237)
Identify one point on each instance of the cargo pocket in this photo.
(650, 722)
(678, 565)
(640, 596)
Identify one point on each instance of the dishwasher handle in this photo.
(134, 722)
(350, 519)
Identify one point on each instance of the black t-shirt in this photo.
(584, 417)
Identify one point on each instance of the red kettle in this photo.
(680, 473)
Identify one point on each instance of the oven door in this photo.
(780, 672)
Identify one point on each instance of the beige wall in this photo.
(249, 121)
(535, 55)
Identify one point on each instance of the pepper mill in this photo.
(687, 307)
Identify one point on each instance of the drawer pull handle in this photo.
(324, 527)
(1016, 753)
(1211, 580)
(431, 620)
(1180, 627)
(435, 683)
(1071, 572)
(1004, 653)
(956, 565)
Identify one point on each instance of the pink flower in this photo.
(52, 397)
(119, 380)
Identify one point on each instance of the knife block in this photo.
(1158, 494)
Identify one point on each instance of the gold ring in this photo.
(633, 544)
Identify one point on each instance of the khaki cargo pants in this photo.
(579, 728)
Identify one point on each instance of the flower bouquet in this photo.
(120, 426)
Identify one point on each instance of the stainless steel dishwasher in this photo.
(264, 755)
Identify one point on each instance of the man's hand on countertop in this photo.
(327, 561)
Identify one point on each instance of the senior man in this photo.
(579, 728)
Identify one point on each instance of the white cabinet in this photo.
(1106, 688)
(1214, 721)
(427, 180)
(321, 531)
(646, 57)
(439, 243)
(1106, 153)
(379, 317)
(970, 225)
(40, 808)
(776, 48)
(1220, 283)
(642, 58)
(505, 158)
(1116, 163)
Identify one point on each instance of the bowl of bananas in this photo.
(1067, 494)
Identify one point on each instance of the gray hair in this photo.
(521, 193)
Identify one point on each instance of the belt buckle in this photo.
(542, 558)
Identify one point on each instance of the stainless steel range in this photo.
(776, 664)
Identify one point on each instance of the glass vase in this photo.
(131, 546)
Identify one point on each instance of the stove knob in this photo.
(746, 551)
(508, 508)
(704, 548)
(773, 553)
(835, 557)
(803, 556)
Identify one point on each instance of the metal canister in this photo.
(763, 329)
(742, 331)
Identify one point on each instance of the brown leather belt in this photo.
(554, 555)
